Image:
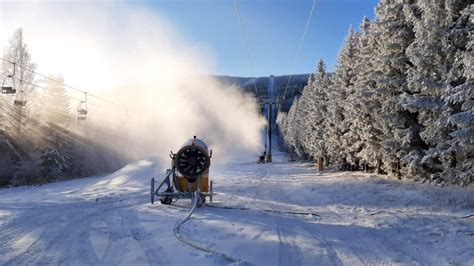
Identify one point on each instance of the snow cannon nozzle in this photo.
(193, 158)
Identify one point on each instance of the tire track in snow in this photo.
(116, 241)
(288, 251)
(25, 223)
(66, 236)
(356, 244)
(330, 254)
(61, 237)
(153, 251)
(20, 226)
(332, 257)
(77, 243)
(124, 226)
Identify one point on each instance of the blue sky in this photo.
(273, 29)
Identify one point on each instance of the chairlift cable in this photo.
(65, 85)
(247, 52)
(81, 101)
(297, 52)
(71, 97)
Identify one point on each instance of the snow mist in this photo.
(135, 58)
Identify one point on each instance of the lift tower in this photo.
(270, 102)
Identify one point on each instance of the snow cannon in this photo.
(188, 176)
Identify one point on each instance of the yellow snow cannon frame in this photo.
(189, 167)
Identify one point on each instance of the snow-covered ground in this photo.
(355, 218)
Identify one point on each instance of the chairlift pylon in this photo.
(82, 109)
(9, 87)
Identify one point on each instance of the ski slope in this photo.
(351, 219)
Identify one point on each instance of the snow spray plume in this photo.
(134, 58)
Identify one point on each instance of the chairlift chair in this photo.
(9, 88)
(82, 109)
(19, 103)
(20, 99)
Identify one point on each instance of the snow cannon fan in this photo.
(193, 159)
(188, 176)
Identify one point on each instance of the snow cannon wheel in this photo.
(166, 200)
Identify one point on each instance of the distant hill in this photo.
(295, 87)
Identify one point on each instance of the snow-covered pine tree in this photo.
(301, 128)
(394, 35)
(425, 77)
(336, 122)
(293, 125)
(364, 102)
(317, 112)
(287, 125)
(17, 116)
(281, 123)
(302, 125)
(56, 155)
(55, 108)
(453, 157)
(410, 103)
(307, 107)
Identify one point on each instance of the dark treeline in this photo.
(401, 100)
(290, 90)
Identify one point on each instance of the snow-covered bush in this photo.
(54, 163)
(28, 172)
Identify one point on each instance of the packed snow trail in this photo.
(282, 213)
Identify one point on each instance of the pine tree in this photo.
(57, 153)
(307, 104)
(17, 116)
(452, 159)
(342, 137)
(365, 103)
(292, 129)
(55, 108)
(402, 97)
(281, 123)
(303, 129)
(425, 78)
(394, 35)
(317, 109)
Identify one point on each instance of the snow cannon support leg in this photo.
(211, 189)
(152, 191)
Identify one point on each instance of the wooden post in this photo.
(379, 166)
(320, 164)
(398, 169)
